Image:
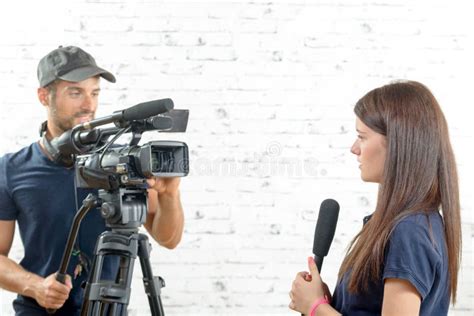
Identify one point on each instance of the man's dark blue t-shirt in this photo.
(40, 195)
(416, 253)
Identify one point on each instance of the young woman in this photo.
(406, 257)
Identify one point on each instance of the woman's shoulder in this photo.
(416, 251)
(420, 219)
(420, 230)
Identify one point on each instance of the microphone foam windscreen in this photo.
(147, 109)
(325, 227)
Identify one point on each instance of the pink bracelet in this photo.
(322, 300)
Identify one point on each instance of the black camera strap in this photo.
(54, 154)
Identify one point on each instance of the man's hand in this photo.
(165, 218)
(164, 185)
(51, 293)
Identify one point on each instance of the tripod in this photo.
(110, 298)
(124, 211)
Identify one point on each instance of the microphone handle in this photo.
(319, 262)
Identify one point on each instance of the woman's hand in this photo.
(307, 288)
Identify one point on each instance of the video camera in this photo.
(102, 165)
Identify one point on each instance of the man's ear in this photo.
(43, 96)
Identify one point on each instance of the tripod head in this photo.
(124, 210)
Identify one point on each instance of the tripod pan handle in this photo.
(61, 277)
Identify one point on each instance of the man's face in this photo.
(72, 103)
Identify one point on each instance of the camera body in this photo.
(130, 166)
(119, 172)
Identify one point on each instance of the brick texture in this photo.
(270, 86)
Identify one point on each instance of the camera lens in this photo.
(162, 160)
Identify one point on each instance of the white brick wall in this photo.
(270, 86)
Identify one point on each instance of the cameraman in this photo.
(37, 190)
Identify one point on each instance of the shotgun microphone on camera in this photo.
(137, 112)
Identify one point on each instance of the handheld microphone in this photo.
(325, 229)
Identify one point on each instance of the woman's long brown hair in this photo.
(419, 175)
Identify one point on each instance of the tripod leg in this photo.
(89, 307)
(103, 297)
(152, 284)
